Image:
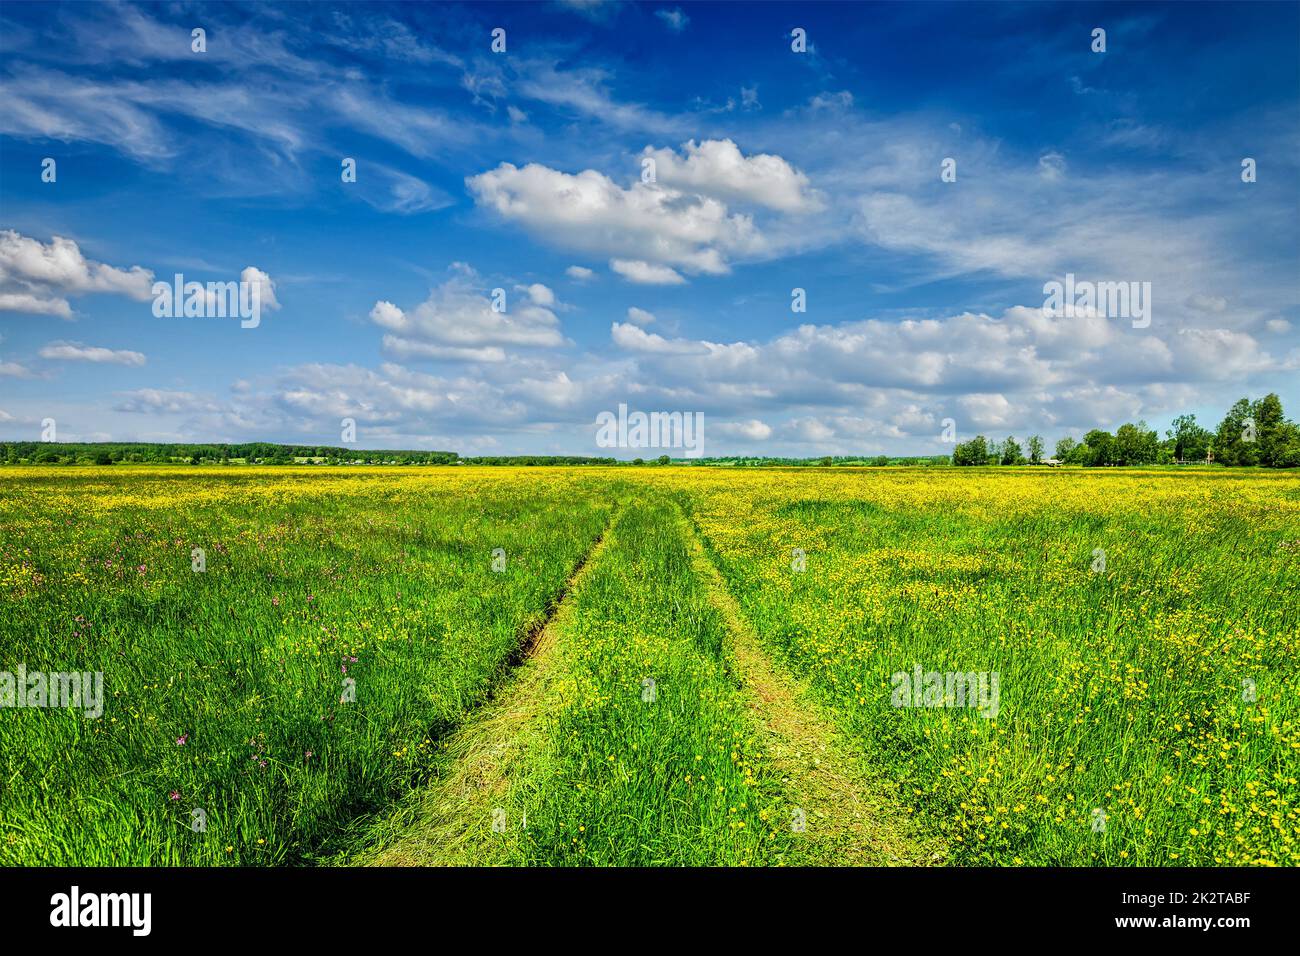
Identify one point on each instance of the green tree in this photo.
(1135, 444)
(1099, 448)
(1190, 440)
(1275, 433)
(1237, 440)
(973, 452)
(1035, 448)
(1011, 453)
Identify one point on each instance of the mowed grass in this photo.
(1149, 712)
(641, 753)
(223, 689)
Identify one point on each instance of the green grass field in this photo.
(660, 666)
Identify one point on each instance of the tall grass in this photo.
(1149, 712)
(223, 688)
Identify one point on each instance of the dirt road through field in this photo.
(847, 817)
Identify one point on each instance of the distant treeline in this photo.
(268, 453)
(261, 453)
(826, 461)
(1252, 433)
(542, 460)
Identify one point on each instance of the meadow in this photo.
(358, 675)
(224, 688)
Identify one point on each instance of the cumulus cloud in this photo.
(857, 387)
(538, 294)
(987, 372)
(636, 339)
(458, 322)
(37, 277)
(35, 304)
(265, 286)
(645, 223)
(750, 430)
(717, 168)
(639, 316)
(579, 273)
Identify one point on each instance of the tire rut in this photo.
(850, 819)
(449, 823)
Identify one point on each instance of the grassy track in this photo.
(850, 815)
(580, 767)
(607, 771)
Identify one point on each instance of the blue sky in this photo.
(522, 171)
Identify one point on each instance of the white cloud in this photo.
(674, 19)
(539, 294)
(167, 401)
(265, 286)
(584, 91)
(986, 411)
(579, 273)
(717, 168)
(15, 370)
(457, 321)
(37, 277)
(635, 339)
(646, 223)
(841, 100)
(644, 273)
(750, 430)
(411, 349)
(639, 316)
(1051, 166)
(36, 305)
(76, 352)
(391, 190)
(595, 10)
